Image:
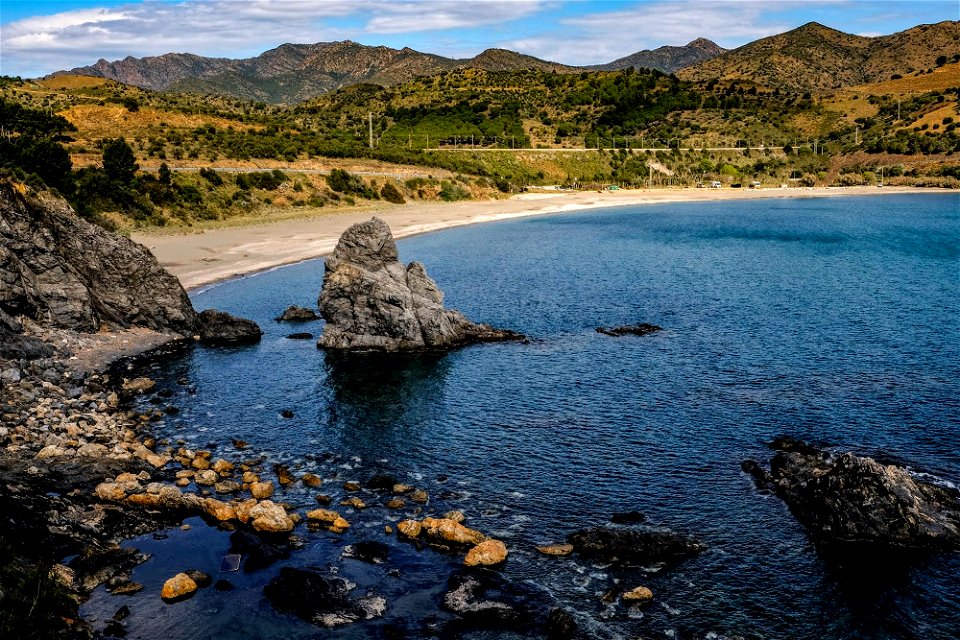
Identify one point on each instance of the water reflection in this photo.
(379, 400)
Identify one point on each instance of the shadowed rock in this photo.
(641, 329)
(371, 302)
(847, 498)
(221, 328)
(322, 600)
(65, 272)
(297, 314)
(633, 545)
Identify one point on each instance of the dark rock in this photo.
(367, 551)
(318, 599)
(633, 545)
(96, 567)
(849, 499)
(561, 625)
(793, 445)
(223, 585)
(641, 329)
(484, 599)
(221, 328)
(18, 347)
(371, 302)
(759, 475)
(381, 482)
(121, 613)
(297, 314)
(286, 413)
(114, 629)
(300, 336)
(66, 272)
(628, 517)
(202, 579)
(259, 552)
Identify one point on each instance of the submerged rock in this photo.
(633, 545)
(641, 329)
(221, 328)
(371, 302)
(846, 498)
(320, 599)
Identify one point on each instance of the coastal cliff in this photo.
(372, 302)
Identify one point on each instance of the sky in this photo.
(38, 37)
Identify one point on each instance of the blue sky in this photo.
(41, 36)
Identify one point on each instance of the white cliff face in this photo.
(370, 301)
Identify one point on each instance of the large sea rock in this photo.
(849, 499)
(372, 302)
(65, 272)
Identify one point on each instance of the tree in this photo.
(164, 174)
(118, 161)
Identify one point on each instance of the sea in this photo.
(835, 320)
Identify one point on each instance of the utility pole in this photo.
(370, 116)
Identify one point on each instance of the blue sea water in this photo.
(833, 319)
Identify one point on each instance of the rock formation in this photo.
(221, 328)
(845, 498)
(65, 272)
(633, 545)
(370, 301)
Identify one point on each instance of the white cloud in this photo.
(406, 17)
(602, 37)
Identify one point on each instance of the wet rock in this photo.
(201, 579)
(179, 587)
(351, 485)
(628, 517)
(222, 466)
(485, 600)
(269, 517)
(641, 329)
(409, 529)
(219, 510)
(395, 503)
(319, 599)
(556, 549)
(380, 482)
(849, 499)
(294, 313)
(370, 301)
(223, 585)
(367, 551)
(110, 491)
(262, 490)
(456, 516)
(95, 567)
(443, 530)
(301, 335)
(284, 476)
(138, 386)
(633, 545)
(257, 552)
(326, 516)
(221, 328)
(402, 488)
(128, 588)
(311, 480)
(561, 625)
(420, 496)
(286, 413)
(121, 613)
(637, 594)
(354, 502)
(486, 554)
(206, 478)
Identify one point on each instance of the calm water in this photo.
(830, 319)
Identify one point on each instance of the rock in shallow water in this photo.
(221, 328)
(294, 313)
(848, 499)
(371, 302)
(633, 545)
(322, 600)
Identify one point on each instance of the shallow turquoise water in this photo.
(829, 319)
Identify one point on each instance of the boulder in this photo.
(372, 302)
(486, 600)
(261, 490)
(294, 313)
(367, 551)
(319, 599)
(270, 517)
(556, 549)
(221, 328)
(443, 530)
(849, 499)
(179, 587)
(486, 554)
(633, 545)
(638, 594)
(65, 272)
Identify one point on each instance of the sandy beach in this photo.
(206, 257)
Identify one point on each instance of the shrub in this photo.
(390, 193)
(451, 192)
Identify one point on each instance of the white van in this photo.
(715, 184)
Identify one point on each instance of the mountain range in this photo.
(297, 72)
(812, 57)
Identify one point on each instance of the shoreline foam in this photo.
(210, 257)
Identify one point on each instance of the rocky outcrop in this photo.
(294, 313)
(64, 272)
(641, 329)
(371, 302)
(633, 545)
(221, 328)
(845, 498)
(319, 599)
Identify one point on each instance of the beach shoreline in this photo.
(212, 256)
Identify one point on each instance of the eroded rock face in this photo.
(370, 301)
(846, 498)
(65, 272)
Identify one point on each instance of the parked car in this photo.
(715, 184)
